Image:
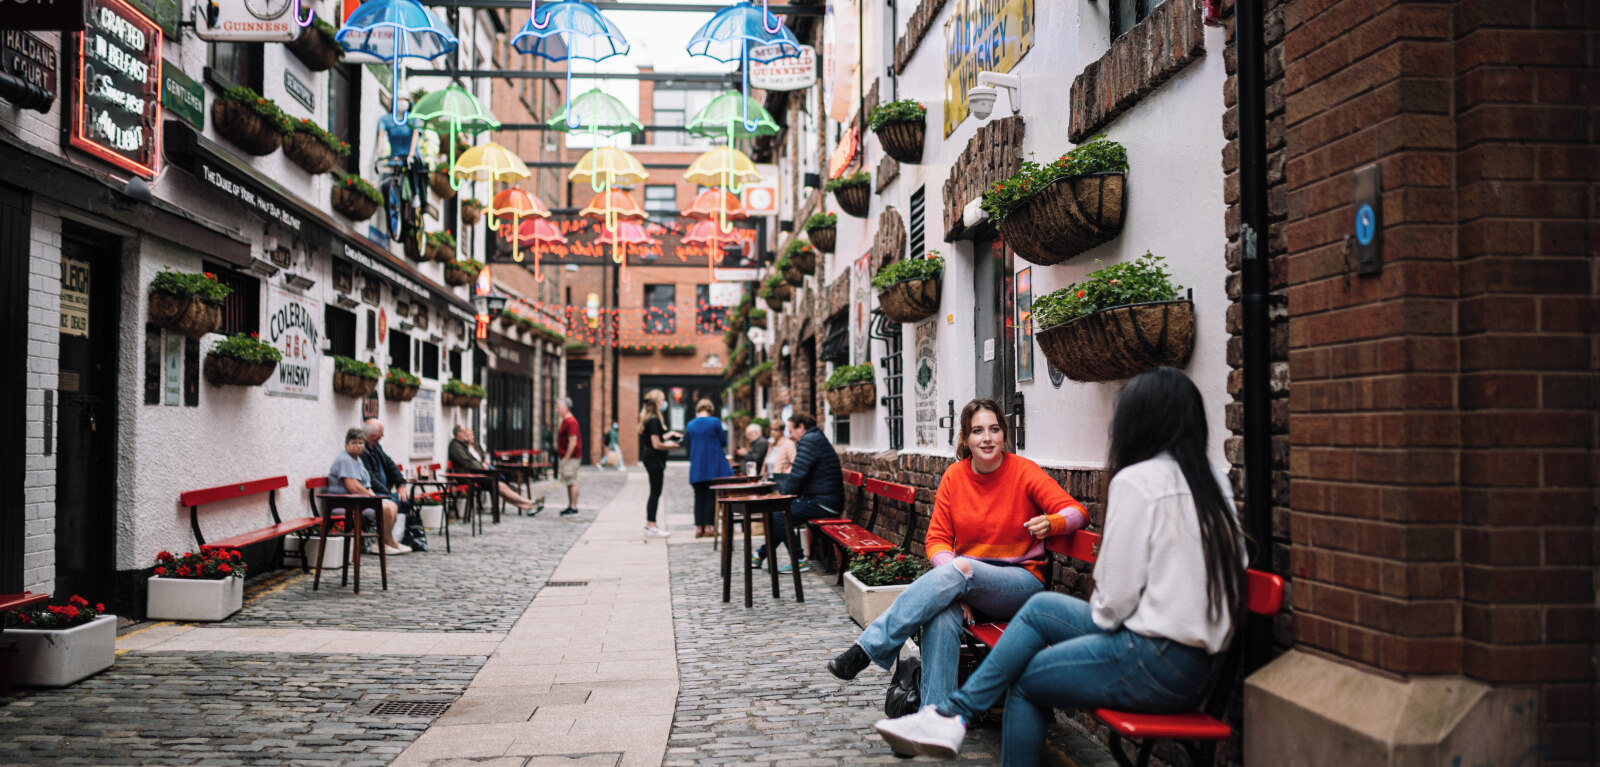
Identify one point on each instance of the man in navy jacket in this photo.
(816, 478)
(387, 480)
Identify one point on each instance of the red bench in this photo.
(850, 539)
(9, 602)
(1263, 596)
(278, 530)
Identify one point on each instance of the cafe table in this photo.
(750, 508)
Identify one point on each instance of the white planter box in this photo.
(329, 558)
(59, 657)
(865, 603)
(193, 599)
(432, 516)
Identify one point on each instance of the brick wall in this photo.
(44, 320)
(916, 28)
(993, 153)
(1150, 53)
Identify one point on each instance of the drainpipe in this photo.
(1253, 273)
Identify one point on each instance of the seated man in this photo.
(468, 456)
(387, 480)
(349, 476)
(754, 456)
(815, 476)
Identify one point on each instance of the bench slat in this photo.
(852, 478)
(829, 521)
(1191, 726)
(856, 538)
(264, 534)
(316, 483)
(890, 490)
(1082, 545)
(225, 492)
(18, 601)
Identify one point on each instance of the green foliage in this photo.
(262, 106)
(443, 240)
(401, 377)
(782, 263)
(249, 348)
(757, 313)
(456, 386)
(75, 612)
(356, 367)
(764, 423)
(680, 349)
(468, 265)
(321, 25)
(904, 110)
(798, 246)
(360, 186)
(765, 291)
(203, 285)
(1137, 282)
(1099, 155)
(821, 221)
(577, 346)
(761, 368)
(908, 269)
(846, 375)
(737, 414)
(472, 202)
(859, 178)
(329, 140)
(890, 568)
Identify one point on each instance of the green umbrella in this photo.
(597, 113)
(451, 111)
(726, 115)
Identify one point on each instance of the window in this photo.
(708, 319)
(344, 277)
(372, 330)
(1125, 14)
(340, 326)
(661, 202)
(238, 64)
(371, 289)
(455, 365)
(673, 106)
(400, 350)
(430, 360)
(344, 111)
(894, 415)
(660, 313)
(836, 344)
(241, 311)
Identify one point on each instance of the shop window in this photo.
(1125, 14)
(430, 361)
(661, 202)
(708, 319)
(893, 380)
(340, 327)
(836, 344)
(399, 350)
(660, 313)
(344, 277)
(371, 289)
(455, 364)
(237, 64)
(241, 311)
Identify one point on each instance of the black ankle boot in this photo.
(849, 663)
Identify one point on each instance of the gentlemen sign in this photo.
(183, 97)
(64, 15)
(245, 20)
(117, 113)
(294, 329)
(981, 36)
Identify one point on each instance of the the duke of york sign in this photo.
(64, 15)
(294, 328)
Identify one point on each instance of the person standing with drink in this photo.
(654, 444)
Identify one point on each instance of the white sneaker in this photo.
(395, 551)
(656, 532)
(926, 732)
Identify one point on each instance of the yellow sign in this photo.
(981, 36)
(74, 297)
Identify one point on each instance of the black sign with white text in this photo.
(117, 109)
(28, 59)
(63, 15)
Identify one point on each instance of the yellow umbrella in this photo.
(607, 167)
(726, 167)
(491, 161)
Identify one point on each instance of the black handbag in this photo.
(905, 689)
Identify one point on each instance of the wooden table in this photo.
(479, 482)
(727, 487)
(749, 506)
(352, 505)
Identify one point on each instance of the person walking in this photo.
(985, 540)
(706, 440)
(613, 449)
(654, 444)
(1168, 584)
(569, 452)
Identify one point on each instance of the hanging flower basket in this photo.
(352, 385)
(793, 276)
(854, 398)
(471, 212)
(743, 390)
(399, 392)
(316, 48)
(783, 291)
(413, 251)
(309, 152)
(351, 203)
(1066, 217)
(824, 237)
(222, 370)
(457, 393)
(459, 400)
(910, 300)
(680, 350)
(245, 127)
(455, 275)
(774, 303)
(636, 350)
(802, 256)
(191, 316)
(854, 199)
(759, 320)
(1122, 341)
(763, 377)
(903, 140)
(439, 182)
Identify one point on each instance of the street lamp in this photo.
(487, 305)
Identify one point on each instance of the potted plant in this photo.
(400, 385)
(874, 581)
(908, 290)
(851, 389)
(852, 192)
(1049, 213)
(779, 285)
(471, 210)
(199, 586)
(241, 360)
(354, 378)
(354, 198)
(741, 355)
(315, 150)
(249, 120)
(431, 507)
(739, 419)
(1120, 321)
(801, 255)
(187, 303)
(679, 350)
(441, 247)
(461, 272)
(61, 644)
(577, 349)
(439, 182)
(458, 394)
(822, 229)
(635, 350)
(741, 387)
(315, 47)
(901, 126)
(791, 275)
(767, 293)
(762, 374)
(758, 317)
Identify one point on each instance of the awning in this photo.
(225, 174)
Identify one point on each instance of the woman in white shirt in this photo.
(1169, 581)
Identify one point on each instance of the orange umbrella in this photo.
(517, 204)
(611, 205)
(539, 231)
(707, 205)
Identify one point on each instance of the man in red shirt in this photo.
(569, 452)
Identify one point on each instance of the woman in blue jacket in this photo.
(706, 439)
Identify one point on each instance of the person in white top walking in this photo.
(1169, 581)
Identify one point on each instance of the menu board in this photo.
(117, 110)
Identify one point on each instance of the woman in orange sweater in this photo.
(985, 539)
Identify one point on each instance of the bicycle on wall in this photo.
(404, 186)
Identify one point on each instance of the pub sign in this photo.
(62, 15)
(116, 114)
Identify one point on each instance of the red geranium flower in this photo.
(224, 569)
(161, 571)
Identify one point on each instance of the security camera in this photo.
(981, 98)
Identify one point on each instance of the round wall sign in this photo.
(383, 326)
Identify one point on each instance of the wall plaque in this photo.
(117, 103)
(183, 97)
(299, 90)
(28, 58)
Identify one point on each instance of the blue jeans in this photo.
(930, 603)
(1054, 656)
(801, 511)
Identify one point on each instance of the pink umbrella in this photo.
(538, 231)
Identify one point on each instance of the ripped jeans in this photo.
(930, 603)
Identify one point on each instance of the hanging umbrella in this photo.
(719, 167)
(516, 204)
(711, 234)
(734, 31)
(451, 111)
(539, 232)
(392, 30)
(598, 112)
(609, 206)
(713, 202)
(491, 162)
(732, 115)
(607, 167)
(625, 233)
(567, 30)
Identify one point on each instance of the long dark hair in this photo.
(971, 411)
(1160, 411)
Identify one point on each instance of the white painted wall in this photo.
(44, 322)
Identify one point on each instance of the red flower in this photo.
(165, 556)
(224, 569)
(255, 335)
(99, 607)
(161, 571)
(1080, 294)
(183, 571)
(77, 600)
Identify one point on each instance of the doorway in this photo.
(15, 220)
(86, 459)
(580, 388)
(996, 373)
(510, 418)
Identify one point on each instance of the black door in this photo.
(996, 372)
(510, 412)
(14, 222)
(682, 394)
(86, 463)
(580, 387)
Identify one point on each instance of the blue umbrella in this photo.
(392, 30)
(563, 30)
(734, 31)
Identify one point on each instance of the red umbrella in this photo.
(538, 231)
(708, 206)
(624, 234)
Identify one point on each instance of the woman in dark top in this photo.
(654, 443)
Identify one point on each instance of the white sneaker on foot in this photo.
(926, 732)
(656, 532)
(395, 551)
